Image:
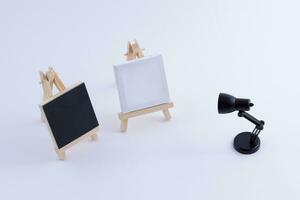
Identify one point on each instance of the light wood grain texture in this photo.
(61, 155)
(94, 136)
(162, 107)
(48, 79)
(134, 51)
(144, 111)
(56, 80)
(124, 125)
(47, 90)
(167, 114)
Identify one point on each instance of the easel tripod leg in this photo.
(124, 124)
(167, 114)
(61, 155)
(94, 137)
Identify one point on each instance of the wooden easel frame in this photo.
(49, 79)
(134, 52)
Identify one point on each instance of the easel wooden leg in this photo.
(61, 155)
(47, 90)
(124, 124)
(167, 114)
(94, 137)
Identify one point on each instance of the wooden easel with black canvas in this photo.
(69, 114)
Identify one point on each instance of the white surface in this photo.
(141, 83)
(245, 48)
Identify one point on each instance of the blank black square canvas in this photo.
(70, 115)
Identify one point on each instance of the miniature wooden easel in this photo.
(134, 52)
(48, 79)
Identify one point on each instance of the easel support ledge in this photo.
(162, 107)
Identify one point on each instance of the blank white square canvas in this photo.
(141, 83)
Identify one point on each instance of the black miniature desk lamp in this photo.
(245, 142)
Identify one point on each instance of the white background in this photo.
(246, 48)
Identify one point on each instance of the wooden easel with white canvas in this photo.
(135, 52)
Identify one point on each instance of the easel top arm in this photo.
(49, 78)
(134, 51)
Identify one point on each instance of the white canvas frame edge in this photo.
(124, 106)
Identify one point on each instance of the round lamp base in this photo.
(242, 143)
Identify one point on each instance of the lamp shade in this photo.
(228, 103)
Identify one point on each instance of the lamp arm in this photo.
(259, 123)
